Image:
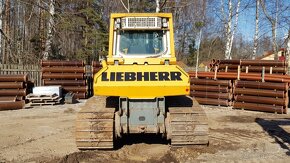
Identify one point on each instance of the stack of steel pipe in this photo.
(261, 96)
(69, 74)
(242, 76)
(249, 66)
(13, 91)
(211, 92)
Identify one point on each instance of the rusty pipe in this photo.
(62, 76)
(75, 88)
(243, 76)
(258, 78)
(220, 77)
(277, 76)
(11, 98)
(267, 69)
(192, 73)
(211, 75)
(224, 61)
(13, 78)
(8, 99)
(96, 64)
(262, 63)
(12, 92)
(209, 88)
(211, 95)
(65, 82)
(259, 92)
(254, 62)
(61, 63)
(275, 70)
(64, 69)
(96, 69)
(261, 100)
(210, 82)
(228, 70)
(258, 107)
(230, 66)
(19, 98)
(80, 95)
(12, 105)
(9, 85)
(217, 62)
(210, 101)
(259, 85)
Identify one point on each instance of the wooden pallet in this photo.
(41, 104)
(49, 97)
(41, 100)
(45, 100)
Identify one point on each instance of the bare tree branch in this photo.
(126, 8)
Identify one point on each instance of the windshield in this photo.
(141, 42)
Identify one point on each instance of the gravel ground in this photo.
(46, 134)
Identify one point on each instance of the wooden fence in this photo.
(33, 71)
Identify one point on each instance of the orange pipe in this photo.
(61, 63)
(259, 92)
(12, 105)
(209, 88)
(210, 101)
(62, 76)
(259, 107)
(64, 69)
(13, 78)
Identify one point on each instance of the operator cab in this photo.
(135, 44)
(138, 40)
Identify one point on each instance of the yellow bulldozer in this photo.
(140, 89)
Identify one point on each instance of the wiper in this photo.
(154, 56)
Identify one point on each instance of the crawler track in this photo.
(95, 125)
(188, 125)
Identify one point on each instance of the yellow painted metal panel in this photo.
(130, 61)
(111, 37)
(163, 80)
(145, 92)
(119, 15)
(110, 58)
(141, 77)
(171, 37)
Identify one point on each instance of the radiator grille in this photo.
(141, 22)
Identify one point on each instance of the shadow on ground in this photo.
(140, 138)
(274, 128)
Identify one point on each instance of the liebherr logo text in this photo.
(142, 76)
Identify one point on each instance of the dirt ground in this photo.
(46, 134)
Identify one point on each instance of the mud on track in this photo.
(46, 134)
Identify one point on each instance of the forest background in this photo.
(31, 30)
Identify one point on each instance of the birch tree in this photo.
(256, 30)
(235, 27)
(1, 17)
(288, 46)
(273, 20)
(228, 25)
(6, 32)
(157, 6)
(126, 7)
(50, 25)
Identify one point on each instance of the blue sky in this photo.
(247, 22)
